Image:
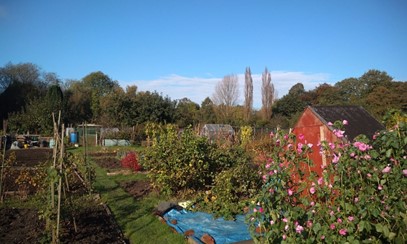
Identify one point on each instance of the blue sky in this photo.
(183, 48)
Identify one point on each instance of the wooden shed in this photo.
(313, 124)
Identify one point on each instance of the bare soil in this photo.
(137, 188)
(93, 225)
(108, 162)
(30, 157)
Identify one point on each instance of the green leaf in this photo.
(362, 225)
(386, 231)
(379, 227)
(389, 152)
(317, 227)
(374, 154)
(391, 235)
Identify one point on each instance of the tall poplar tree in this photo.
(248, 94)
(267, 95)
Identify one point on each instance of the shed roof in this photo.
(218, 127)
(360, 121)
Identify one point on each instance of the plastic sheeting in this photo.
(221, 230)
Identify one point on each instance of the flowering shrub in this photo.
(130, 162)
(360, 196)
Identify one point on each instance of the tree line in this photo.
(28, 97)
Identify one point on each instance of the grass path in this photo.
(135, 217)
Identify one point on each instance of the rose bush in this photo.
(360, 196)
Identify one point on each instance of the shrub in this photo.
(178, 163)
(233, 188)
(220, 175)
(130, 162)
(360, 196)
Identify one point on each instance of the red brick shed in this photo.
(313, 124)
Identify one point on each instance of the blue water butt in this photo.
(73, 138)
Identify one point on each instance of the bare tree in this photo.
(268, 95)
(227, 91)
(248, 94)
(226, 95)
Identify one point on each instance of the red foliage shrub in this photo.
(130, 162)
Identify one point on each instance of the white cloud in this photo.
(198, 88)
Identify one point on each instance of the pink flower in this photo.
(285, 220)
(356, 199)
(261, 210)
(330, 124)
(332, 146)
(268, 166)
(310, 145)
(343, 232)
(345, 122)
(320, 180)
(286, 227)
(386, 170)
(309, 223)
(339, 220)
(331, 213)
(322, 237)
(301, 137)
(336, 158)
(312, 190)
(299, 147)
(271, 222)
(299, 229)
(290, 192)
(405, 172)
(332, 226)
(361, 146)
(339, 133)
(351, 218)
(284, 237)
(368, 175)
(312, 203)
(380, 187)
(271, 134)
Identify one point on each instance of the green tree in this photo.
(350, 90)
(291, 103)
(186, 112)
(152, 107)
(100, 85)
(78, 102)
(327, 95)
(207, 112)
(19, 84)
(372, 79)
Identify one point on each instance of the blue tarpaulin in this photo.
(221, 230)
